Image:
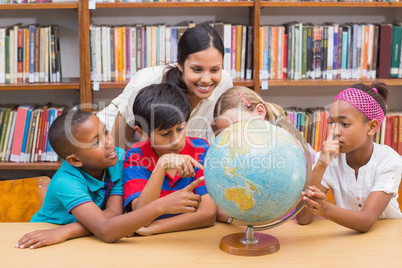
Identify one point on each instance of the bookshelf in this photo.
(255, 13)
(167, 10)
(66, 92)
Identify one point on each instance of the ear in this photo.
(144, 136)
(260, 111)
(181, 68)
(372, 127)
(73, 160)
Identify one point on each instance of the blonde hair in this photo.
(232, 99)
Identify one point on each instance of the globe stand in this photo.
(249, 243)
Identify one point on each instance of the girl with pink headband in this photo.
(364, 176)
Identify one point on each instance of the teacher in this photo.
(198, 73)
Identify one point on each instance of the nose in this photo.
(175, 139)
(205, 77)
(337, 131)
(108, 141)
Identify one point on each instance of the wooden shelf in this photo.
(311, 82)
(30, 166)
(39, 6)
(122, 85)
(73, 84)
(330, 4)
(175, 4)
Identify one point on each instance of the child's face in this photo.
(235, 115)
(171, 140)
(351, 126)
(202, 72)
(96, 150)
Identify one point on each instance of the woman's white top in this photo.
(381, 173)
(201, 117)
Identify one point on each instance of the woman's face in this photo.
(202, 72)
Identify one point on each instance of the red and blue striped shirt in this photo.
(140, 161)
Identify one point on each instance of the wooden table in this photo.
(320, 244)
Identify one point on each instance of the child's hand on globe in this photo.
(315, 201)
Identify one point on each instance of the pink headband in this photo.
(363, 102)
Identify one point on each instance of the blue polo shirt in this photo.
(71, 187)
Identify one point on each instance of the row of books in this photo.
(331, 51)
(23, 132)
(118, 52)
(29, 54)
(314, 127)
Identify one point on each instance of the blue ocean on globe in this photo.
(255, 171)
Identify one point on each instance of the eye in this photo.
(215, 70)
(196, 70)
(345, 124)
(96, 144)
(165, 134)
(181, 129)
(106, 132)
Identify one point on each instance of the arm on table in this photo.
(60, 234)
(203, 217)
(361, 221)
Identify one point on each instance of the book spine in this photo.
(239, 35)
(18, 134)
(249, 64)
(138, 29)
(36, 54)
(2, 55)
(233, 52)
(133, 52)
(112, 55)
(395, 51)
(27, 54)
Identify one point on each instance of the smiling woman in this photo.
(198, 73)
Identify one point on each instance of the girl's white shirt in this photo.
(381, 173)
(201, 117)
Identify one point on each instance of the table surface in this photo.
(320, 244)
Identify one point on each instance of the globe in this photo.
(255, 171)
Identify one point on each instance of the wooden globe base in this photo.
(232, 244)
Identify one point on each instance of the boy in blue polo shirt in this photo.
(166, 160)
(86, 193)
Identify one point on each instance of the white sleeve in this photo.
(390, 176)
(124, 102)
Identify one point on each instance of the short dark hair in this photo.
(65, 125)
(160, 106)
(193, 40)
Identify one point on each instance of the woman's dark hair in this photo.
(193, 40)
(382, 95)
(160, 106)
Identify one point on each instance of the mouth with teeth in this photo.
(112, 154)
(205, 88)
